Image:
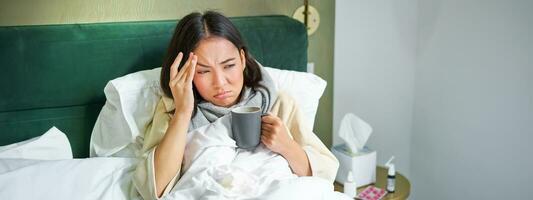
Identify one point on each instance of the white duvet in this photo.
(91, 178)
(213, 169)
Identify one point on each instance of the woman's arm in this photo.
(298, 160)
(168, 154)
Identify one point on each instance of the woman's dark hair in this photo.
(190, 31)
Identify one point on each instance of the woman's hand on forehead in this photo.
(181, 83)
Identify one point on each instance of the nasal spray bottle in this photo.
(391, 176)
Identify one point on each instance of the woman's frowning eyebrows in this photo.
(223, 62)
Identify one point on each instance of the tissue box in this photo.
(362, 164)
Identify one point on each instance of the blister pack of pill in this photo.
(372, 193)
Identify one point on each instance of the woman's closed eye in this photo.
(202, 71)
(229, 66)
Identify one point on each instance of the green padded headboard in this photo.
(54, 75)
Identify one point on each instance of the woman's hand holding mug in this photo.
(274, 135)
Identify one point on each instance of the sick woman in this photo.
(207, 72)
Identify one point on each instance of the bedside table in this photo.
(403, 187)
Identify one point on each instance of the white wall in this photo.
(473, 100)
(471, 128)
(375, 43)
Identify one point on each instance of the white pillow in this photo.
(131, 102)
(130, 107)
(305, 88)
(52, 145)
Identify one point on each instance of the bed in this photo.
(54, 76)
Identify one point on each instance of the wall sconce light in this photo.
(309, 16)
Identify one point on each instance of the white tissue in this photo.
(233, 182)
(354, 132)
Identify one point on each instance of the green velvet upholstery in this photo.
(54, 75)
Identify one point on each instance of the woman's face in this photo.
(219, 71)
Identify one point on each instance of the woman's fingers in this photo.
(266, 140)
(173, 81)
(187, 76)
(175, 65)
(267, 127)
(263, 140)
(185, 66)
(192, 69)
(270, 119)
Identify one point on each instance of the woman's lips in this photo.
(223, 95)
